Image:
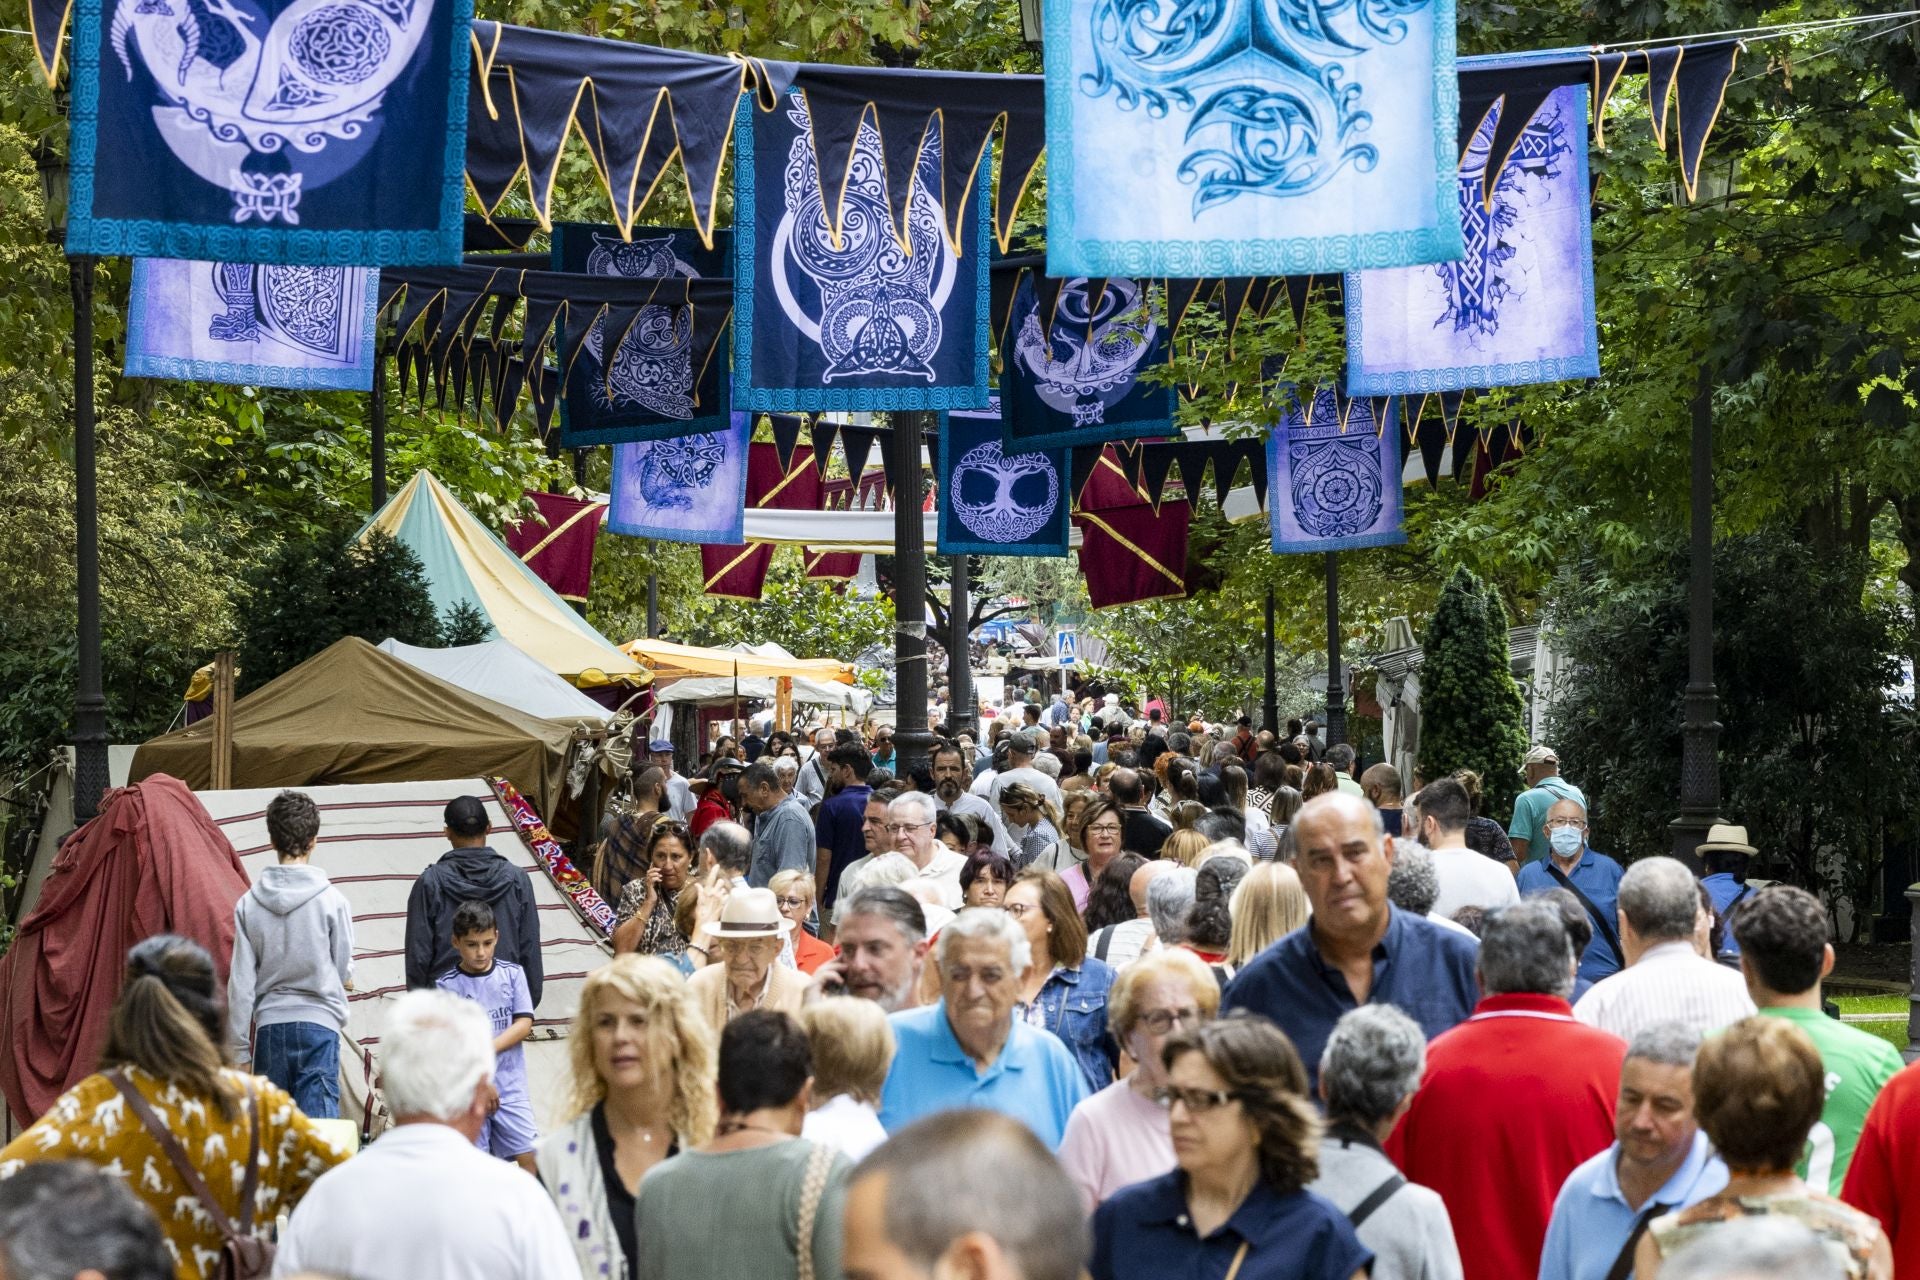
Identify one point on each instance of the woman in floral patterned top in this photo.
(1758, 1088)
(644, 917)
(164, 1041)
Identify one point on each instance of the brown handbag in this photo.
(244, 1256)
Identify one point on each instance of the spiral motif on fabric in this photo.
(340, 44)
(1336, 484)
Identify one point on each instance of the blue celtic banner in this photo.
(307, 328)
(854, 320)
(690, 488)
(658, 385)
(1518, 308)
(1077, 381)
(1249, 137)
(996, 502)
(320, 132)
(1333, 475)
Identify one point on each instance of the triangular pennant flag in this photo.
(1256, 453)
(1450, 404)
(1192, 457)
(857, 443)
(540, 316)
(1607, 70)
(1020, 148)
(822, 435)
(1702, 84)
(836, 110)
(547, 399)
(786, 435)
(1467, 441)
(1517, 107)
(1182, 295)
(575, 330)
(1433, 447)
(1662, 64)
(1155, 461)
(494, 156)
(1132, 456)
(1082, 462)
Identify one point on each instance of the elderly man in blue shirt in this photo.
(1660, 1162)
(1592, 877)
(1356, 947)
(970, 1050)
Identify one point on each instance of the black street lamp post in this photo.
(1700, 734)
(960, 713)
(910, 739)
(1270, 693)
(1336, 695)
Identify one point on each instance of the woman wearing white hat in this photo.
(746, 941)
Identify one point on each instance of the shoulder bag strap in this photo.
(1623, 1264)
(812, 1190)
(1375, 1198)
(1600, 921)
(1105, 944)
(178, 1156)
(252, 1182)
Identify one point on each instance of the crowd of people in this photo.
(1100, 994)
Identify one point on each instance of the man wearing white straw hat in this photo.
(1725, 856)
(744, 943)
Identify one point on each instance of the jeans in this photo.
(304, 1059)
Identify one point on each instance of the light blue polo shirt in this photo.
(1035, 1079)
(1591, 1220)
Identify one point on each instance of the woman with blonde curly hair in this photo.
(643, 1069)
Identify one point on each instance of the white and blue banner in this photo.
(305, 328)
(996, 501)
(1333, 475)
(1249, 137)
(690, 488)
(1518, 308)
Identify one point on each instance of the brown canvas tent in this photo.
(352, 714)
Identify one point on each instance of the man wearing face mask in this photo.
(1592, 877)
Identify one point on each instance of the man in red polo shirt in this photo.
(1514, 1098)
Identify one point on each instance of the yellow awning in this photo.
(670, 661)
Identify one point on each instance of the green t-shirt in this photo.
(735, 1215)
(1857, 1065)
(1530, 812)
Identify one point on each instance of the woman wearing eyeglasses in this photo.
(793, 894)
(1119, 1136)
(1101, 830)
(1065, 989)
(1246, 1141)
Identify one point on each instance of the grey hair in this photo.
(1048, 763)
(1371, 1064)
(1413, 885)
(1749, 1248)
(919, 801)
(896, 905)
(1525, 948)
(730, 844)
(989, 924)
(1671, 1044)
(61, 1217)
(960, 1172)
(435, 1050)
(1169, 899)
(1659, 899)
(787, 769)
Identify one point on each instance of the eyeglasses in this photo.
(1196, 1101)
(750, 946)
(791, 904)
(1564, 824)
(1018, 909)
(896, 828)
(1161, 1021)
(1103, 829)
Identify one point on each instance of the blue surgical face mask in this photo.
(1566, 841)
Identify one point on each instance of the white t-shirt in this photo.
(1469, 879)
(423, 1203)
(845, 1123)
(1031, 776)
(944, 870)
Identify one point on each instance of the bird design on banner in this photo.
(1087, 361)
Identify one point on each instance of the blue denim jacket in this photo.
(1073, 1005)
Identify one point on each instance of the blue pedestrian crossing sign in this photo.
(1066, 643)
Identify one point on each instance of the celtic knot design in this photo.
(1481, 281)
(653, 367)
(672, 472)
(1090, 358)
(879, 305)
(1296, 119)
(340, 44)
(1336, 473)
(306, 303)
(997, 497)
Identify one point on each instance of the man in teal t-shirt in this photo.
(1784, 953)
(1545, 788)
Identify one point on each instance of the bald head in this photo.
(1340, 852)
(1141, 878)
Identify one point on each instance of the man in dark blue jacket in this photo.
(470, 871)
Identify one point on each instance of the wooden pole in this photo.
(222, 772)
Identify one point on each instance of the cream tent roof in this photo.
(667, 660)
(499, 671)
(465, 561)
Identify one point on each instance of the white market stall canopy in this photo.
(501, 671)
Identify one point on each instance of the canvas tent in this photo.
(670, 661)
(467, 563)
(354, 714)
(499, 671)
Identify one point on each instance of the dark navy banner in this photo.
(659, 385)
(1077, 381)
(997, 502)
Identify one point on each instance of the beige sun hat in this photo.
(1723, 837)
(750, 913)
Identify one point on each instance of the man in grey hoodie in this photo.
(292, 963)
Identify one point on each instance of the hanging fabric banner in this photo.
(1242, 138)
(1071, 371)
(999, 503)
(738, 571)
(558, 544)
(654, 388)
(283, 131)
(688, 489)
(1333, 475)
(1518, 308)
(847, 316)
(304, 328)
(1134, 553)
